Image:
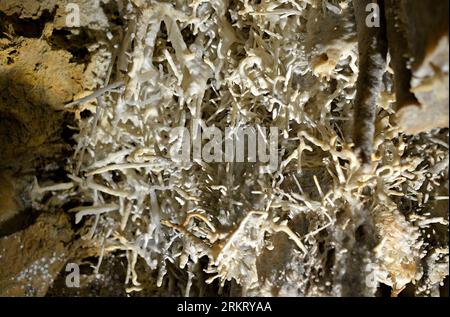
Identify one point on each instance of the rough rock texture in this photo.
(35, 82)
(44, 76)
(31, 259)
(8, 203)
(91, 13)
(43, 65)
(425, 25)
(40, 71)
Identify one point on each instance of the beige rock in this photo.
(426, 29)
(28, 268)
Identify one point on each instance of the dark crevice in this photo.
(188, 36)
(26, 27)
(74, 43)
(111, 10)
(19, 222)
(384, 290)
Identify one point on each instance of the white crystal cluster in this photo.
(309, 228)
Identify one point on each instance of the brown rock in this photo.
(31, 259)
